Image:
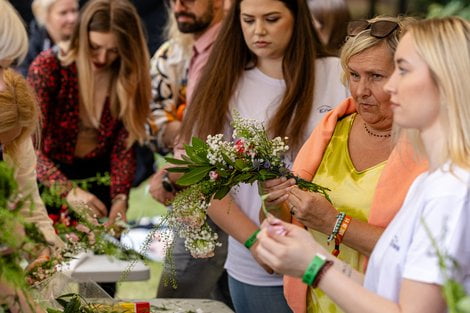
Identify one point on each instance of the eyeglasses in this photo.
(379, 29)
(185, 3)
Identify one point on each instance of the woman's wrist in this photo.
(121, 197)
(316, 269)
(252, 239)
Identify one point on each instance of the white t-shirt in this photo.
(258, 97)
(442, 200)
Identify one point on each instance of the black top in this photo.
(39, 41)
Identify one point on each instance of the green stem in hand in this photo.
(263, 204)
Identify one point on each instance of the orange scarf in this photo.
(400, 171)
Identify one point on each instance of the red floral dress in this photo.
(57, 90)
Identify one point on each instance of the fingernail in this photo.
(277, 230)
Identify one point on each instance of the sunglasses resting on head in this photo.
(378, 29)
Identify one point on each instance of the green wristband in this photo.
(313, 268)
(252, 239)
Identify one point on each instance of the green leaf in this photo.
(62, 302)
(178, 169)
(199, 144)
(52, 310)
(264, 174)
(186, 158)
(194, 156)
(194, 176)
(222, 192)
(244, 177)
(227, 159)
(223, 173)
(463, 305)
(177, 161)
(252, 179)
(241, 165)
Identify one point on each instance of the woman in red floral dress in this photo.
(94, 96)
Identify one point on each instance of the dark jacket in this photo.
(39, 41)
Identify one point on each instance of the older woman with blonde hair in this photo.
(426, 245)
(54, 23)
(95, 103)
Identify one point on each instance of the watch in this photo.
(167, 184)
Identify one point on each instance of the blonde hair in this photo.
(364, 40)
(13, 36)
(444, 45)
(130, 82)
(40, 10)
(18, 108)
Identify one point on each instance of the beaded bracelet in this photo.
(339, 221)
(313, 269)
(339, 237)
(251, 240)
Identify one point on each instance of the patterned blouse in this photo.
(168, 69)
(57, 90)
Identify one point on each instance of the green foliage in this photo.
(74, 303)
(18, 240)
(452, 8)
(52, 195)
(8, 185)
(454, 293)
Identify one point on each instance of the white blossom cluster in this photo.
(189, 209)
(279, 147)
(251, 130)
(217, 146)
(253, 136)
(188, 217)
(201, 242)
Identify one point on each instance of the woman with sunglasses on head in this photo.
(352, 153)
(267, 64)
(95, 103)
(429, 97)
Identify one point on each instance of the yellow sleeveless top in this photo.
(351, 193)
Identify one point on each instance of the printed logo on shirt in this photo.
(324, 108)
(394, 243)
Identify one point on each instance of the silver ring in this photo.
(292, 212)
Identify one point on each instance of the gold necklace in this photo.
(376, 135)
